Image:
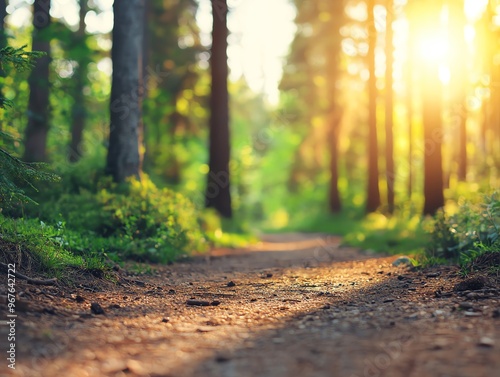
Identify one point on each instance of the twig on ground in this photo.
(5, 268)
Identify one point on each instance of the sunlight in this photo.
(255, 53)
(475, 8)
(433, 48)
(437, 44)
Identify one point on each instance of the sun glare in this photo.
(438, 45)
(433, 48)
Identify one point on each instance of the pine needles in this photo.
(14, 173)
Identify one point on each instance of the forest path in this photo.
(293, 305)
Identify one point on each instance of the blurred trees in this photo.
(311, 82)
(172, 50)
(125, 137)
(432, 84)
(424, 69)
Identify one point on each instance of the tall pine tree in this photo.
(125, 138)
(218, 194)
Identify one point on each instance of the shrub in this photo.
(470, 233)
(136, 220)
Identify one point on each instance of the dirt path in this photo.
(304, 307)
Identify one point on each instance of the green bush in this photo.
(135, 221)
(468, 234)
(42, 248)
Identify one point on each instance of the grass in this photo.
(38, 248)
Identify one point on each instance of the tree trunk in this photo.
(334, 195)
(218, 193)
(432, 99)
(146, 50)
(373, 193)
(79, 113)
(409, 102)
(389, 109)
(124, 152)
(3, 32)
(433, 134)
(459, 82)
(3, 40)
(35, 142)
(409, 109)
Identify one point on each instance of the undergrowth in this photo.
(469, 237)
(91, 215)
(40, 248)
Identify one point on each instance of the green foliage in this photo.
(44, 248)
(469, 234)
(135, 221)
(16, 173)
(21, 60)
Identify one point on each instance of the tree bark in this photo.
(79, 113)
(458, 83)
(3, 40)
(218, 193)
(373, 192)
(35, 142)
(3, 15)
(432, 103)
(389, 109)
(334, 194)
(433, 134)
(125, 139)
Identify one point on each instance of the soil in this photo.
(293, 305)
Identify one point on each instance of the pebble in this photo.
(472, 295)
(136, 367)
(473, 314)
(486, 342)
(197, 303)
(465, 305)
(231, 284)
(96, 308)
(402, 261)
(433, 274)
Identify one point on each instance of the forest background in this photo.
(411, 169)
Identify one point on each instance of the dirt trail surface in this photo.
(293, 305)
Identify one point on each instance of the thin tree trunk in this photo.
(3, 31)
(432, 99)
(3, 39)
(409, 106)
(389, 109)
(373, 192)
(218, 193)
(409, 109)
(124, 152)
(335, 113)
(146, 49)
(458, 81)
(35, 142)
(334, 194)
(79, 113)
(433, 164)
